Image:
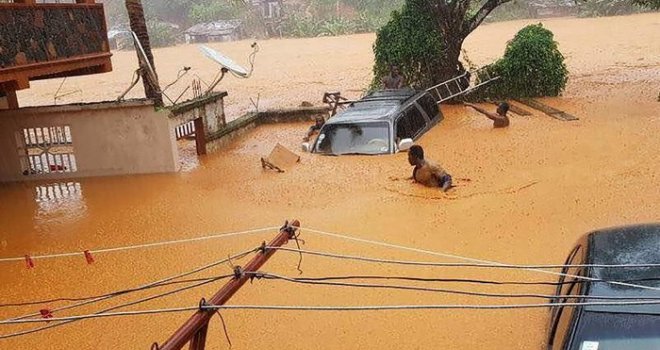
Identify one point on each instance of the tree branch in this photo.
(482, 13)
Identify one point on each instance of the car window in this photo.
(430, 107)
(410, 124)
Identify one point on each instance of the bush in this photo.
(161, 34)
(209, 11)
(532, 66)
(298, 26)
(410, 40)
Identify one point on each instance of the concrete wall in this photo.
(210, 108)
(108, 139)
(240, 126)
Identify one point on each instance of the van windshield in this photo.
(354, 138)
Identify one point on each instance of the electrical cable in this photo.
(140, 246)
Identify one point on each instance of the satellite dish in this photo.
(224, 61)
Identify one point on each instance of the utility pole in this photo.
(194, 330)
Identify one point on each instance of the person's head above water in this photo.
(415, 155)
(319, 121)
(503, 108)
(394, 70)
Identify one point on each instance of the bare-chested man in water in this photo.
(500, 119)
(427, 172)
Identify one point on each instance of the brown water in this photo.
(525, 195)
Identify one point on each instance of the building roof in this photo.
(217, 28)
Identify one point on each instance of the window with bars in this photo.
(46, 150)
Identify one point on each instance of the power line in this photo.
(67, 320)
(473, 260)
(333, 308)
(424, 307)
(125, 291)
(461, 280)
(437, 264)
(196, 270)
(262, 275)
(140, 246)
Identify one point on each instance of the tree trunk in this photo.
(454, 26)
(452, 66)
(139, 26)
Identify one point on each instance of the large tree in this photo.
(455, 20)
(425, 38)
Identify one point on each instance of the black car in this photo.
(610, 327)
(383, 122)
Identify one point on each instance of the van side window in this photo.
(410, 124)
(428, 104)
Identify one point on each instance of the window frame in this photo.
(403, 114)
(558, 337)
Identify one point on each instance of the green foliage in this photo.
(306, 26)
(596, 8)
(161, 34)
(652, 4)
(210, 10)
(510, 11)
(306, 18)
(410, 40)
(532, 66)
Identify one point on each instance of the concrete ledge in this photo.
(77, 107)
(243, 124)
(289, 115)
(230, 132)
(197, 103)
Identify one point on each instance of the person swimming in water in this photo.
(427, 172)
(318, 124)
(500, 119)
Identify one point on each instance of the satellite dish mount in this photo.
(228, 65)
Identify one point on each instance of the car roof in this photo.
(630, 245)
(377, 105)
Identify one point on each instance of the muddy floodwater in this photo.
(524, 195)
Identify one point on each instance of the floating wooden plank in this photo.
(551, 111)
(280, 159)
(515, 109)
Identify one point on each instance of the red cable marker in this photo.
(29, 262)
(89, 257)
(46, 313)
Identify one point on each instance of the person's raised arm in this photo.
(489, 115)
